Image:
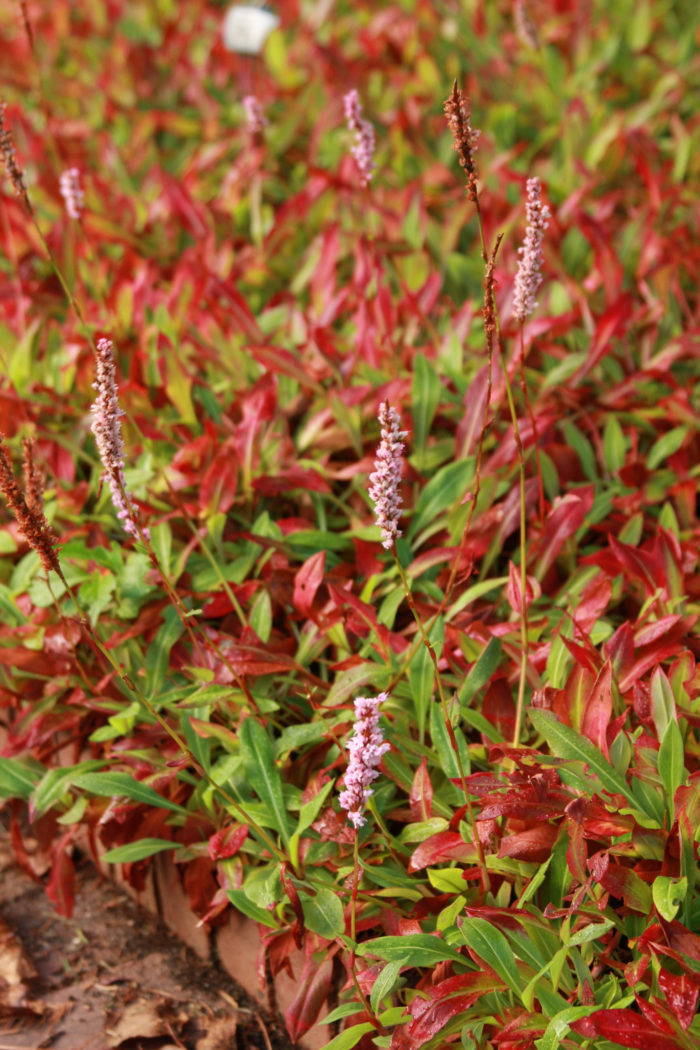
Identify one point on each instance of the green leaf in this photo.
(492, 947)
(590, 932)
(481, 672)
(158, 655)
(17, 779)
(442, 491)
(55, 783)
(162, 543)
(671, 765)
(415, 949)
(97, 593)
(260, 617)
(344, 1010)
(384, 984)
(133, 585)
(447, 760)
(350, 1037)
(138, 850)
(76, 812)
(310, 810)
(666, 446)
(446, 880)
(668, 894)
(478, 590)
(559, 1026)
(253, 911)
(259, 764)
(323, 914)
(477, 721)
(118, 785)
(294, 737)
(578, 441)
(663, 704)
(421, 680)
(567, 743)
(614, 445)
(425, 396)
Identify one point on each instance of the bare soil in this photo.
(111, 977)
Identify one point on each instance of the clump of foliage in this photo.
(526, 872)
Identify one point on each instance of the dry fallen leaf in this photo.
(144, 1019)
(15, 968)
(221, 1035)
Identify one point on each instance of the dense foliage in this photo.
(516, 884)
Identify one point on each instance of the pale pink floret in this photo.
(363, 150)
(69, 185)
(106, 426)
(254, 113)
(366, 748)
(529, 278)
(384, 482)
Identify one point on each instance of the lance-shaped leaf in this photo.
(259, 764)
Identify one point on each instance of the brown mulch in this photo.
(111, 977)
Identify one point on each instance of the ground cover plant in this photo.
(377, 608)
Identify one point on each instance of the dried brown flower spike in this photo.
(7, 149)
(465, 137)
(29, 513)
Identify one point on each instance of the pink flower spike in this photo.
(363, 150)
(529, 278)
(366, 748)
(384, 482)
(106, 427)
(69, 185)
(254, 114)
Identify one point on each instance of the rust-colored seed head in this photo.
(30, 518)
(7, 149)
(33, 481)
(465, 138)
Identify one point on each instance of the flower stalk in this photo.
(363, 150)
(384, 482)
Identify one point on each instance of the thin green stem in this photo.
(523, 555)
(533, 422)
(353, 932)
(486, 882)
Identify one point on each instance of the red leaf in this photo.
(227, 842)
(421, 794)
(283, 362)
(566, 516)
(619, 881)
(654, 1014)
(651, 632)
(199, 884)
(293, 897)
(598, 709)
(534, 844)
(307, 581)
(609, 325)
(18, 848)
(445, 845)
(514, 591)
(637, 565)
(445, 1000)
(627, 1028)
(291, 478)
(314, 986)
(681, 994)
(594, 601)
(577, 853)
(60, 889)
(498, 707)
